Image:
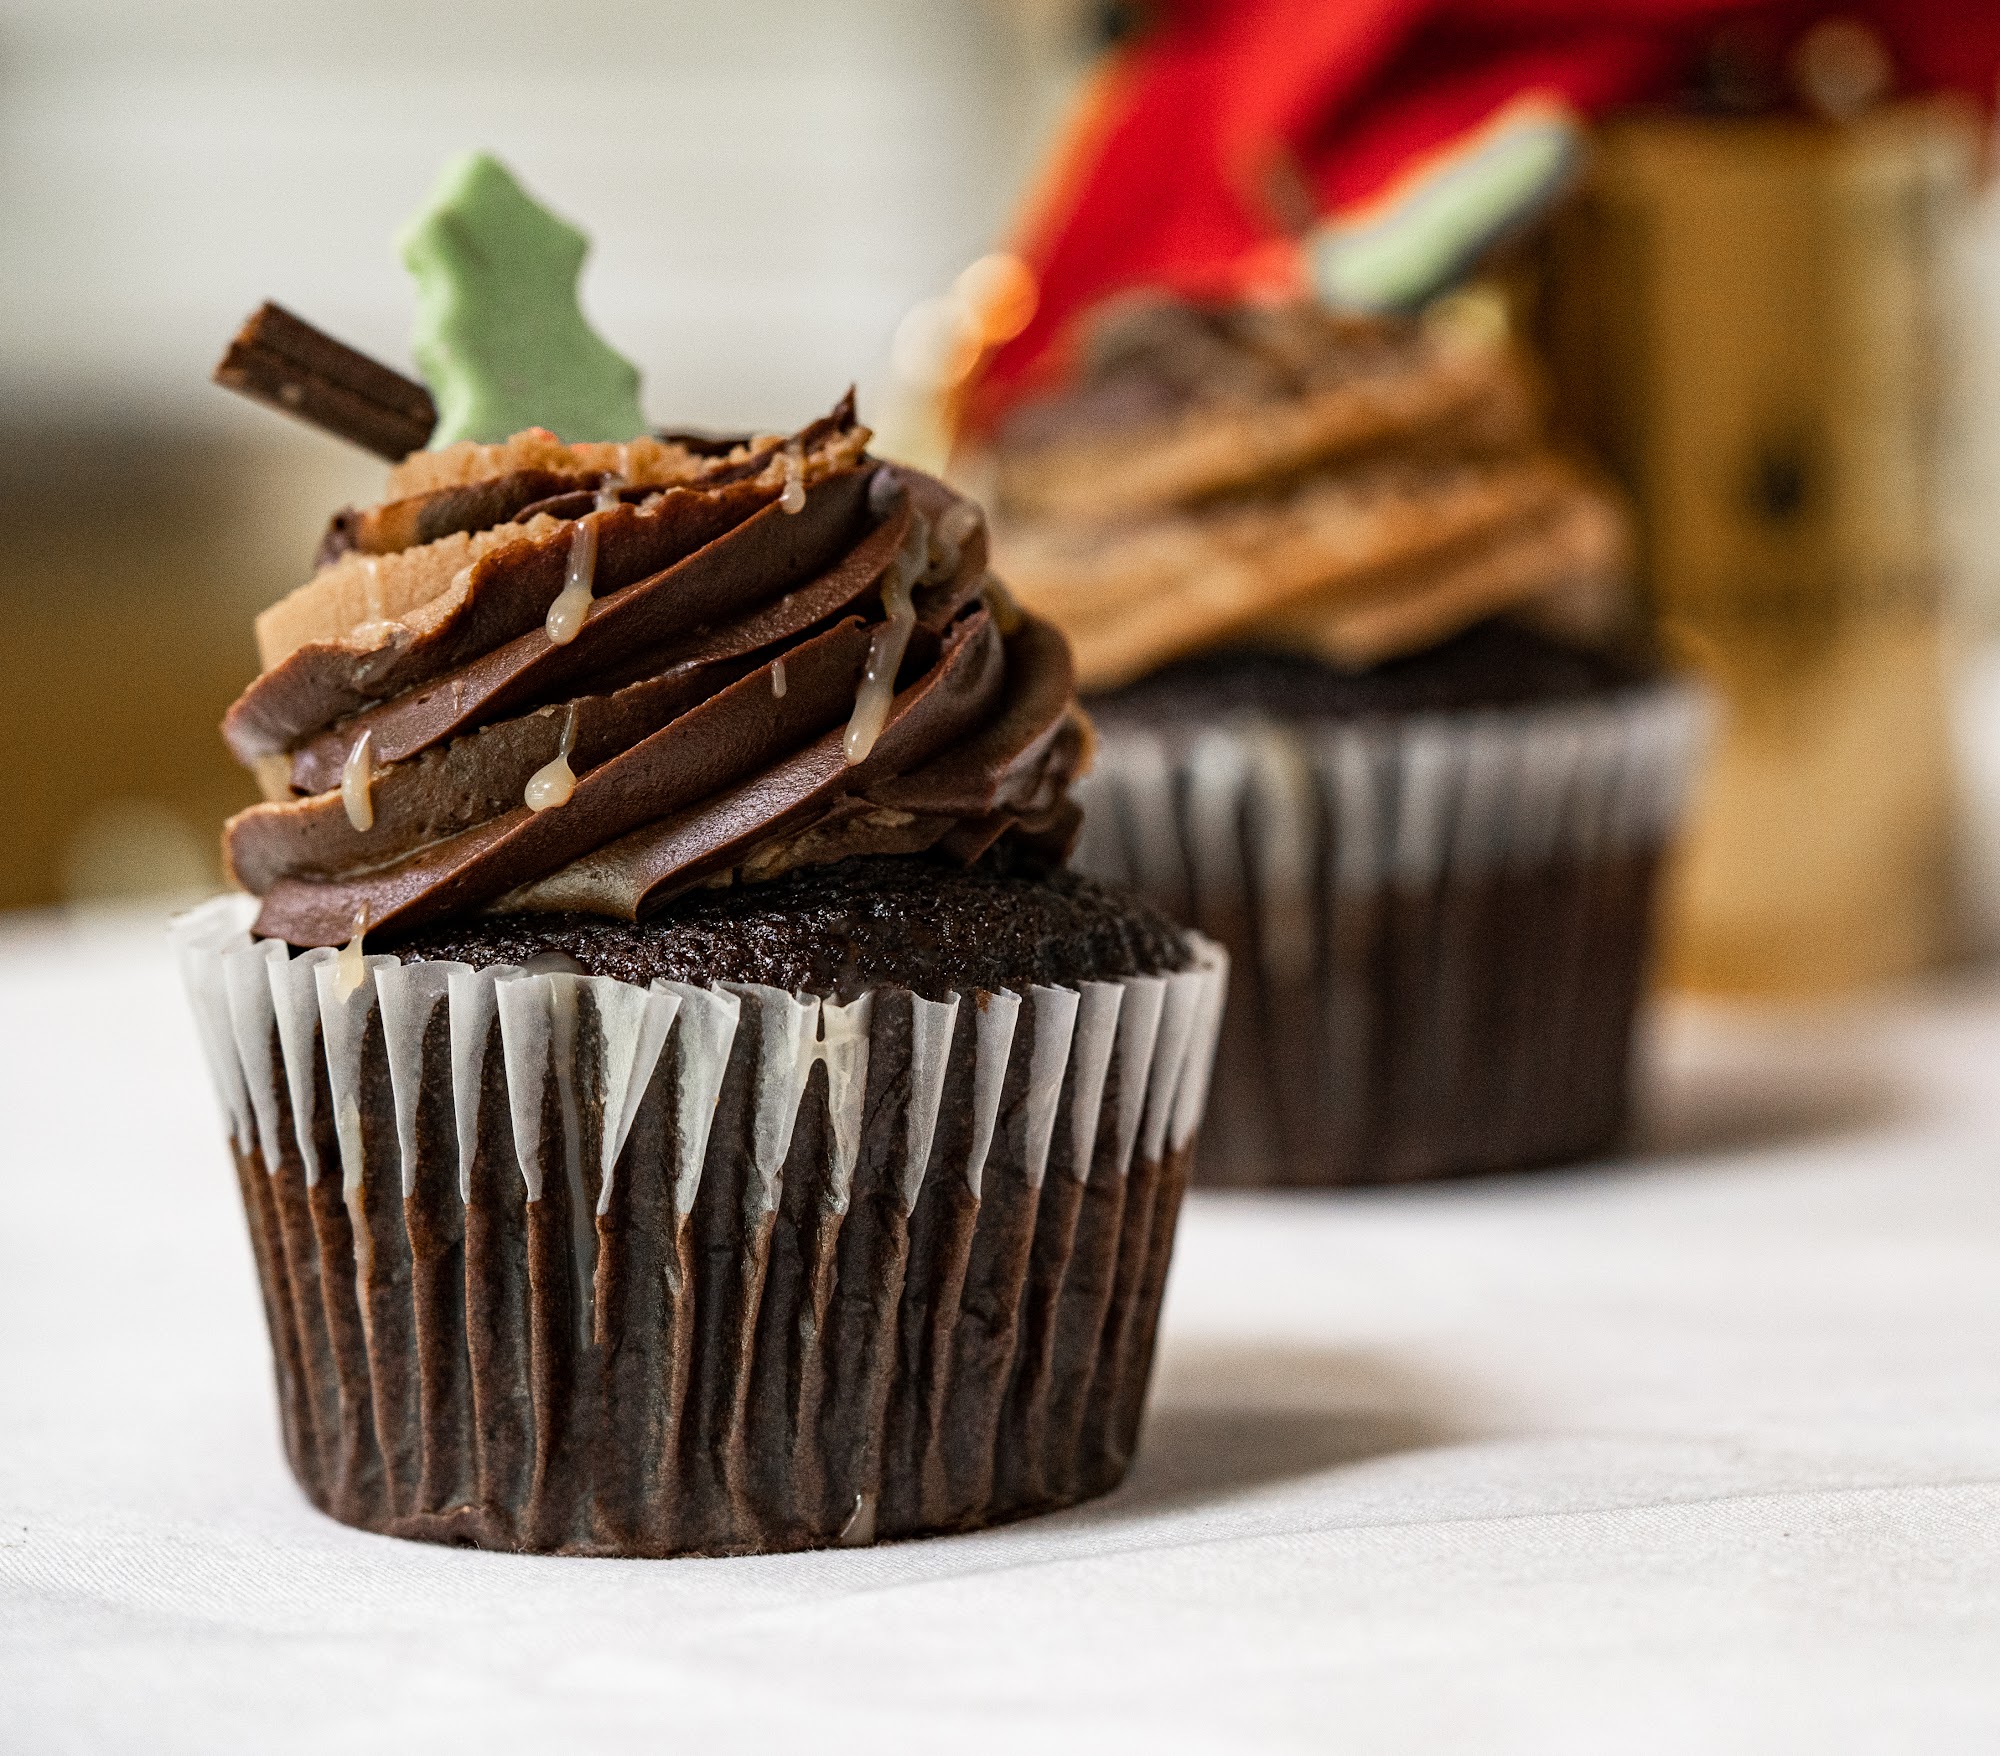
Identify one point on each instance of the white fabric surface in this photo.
(1698, 1451)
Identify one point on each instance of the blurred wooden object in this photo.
(1744, 319)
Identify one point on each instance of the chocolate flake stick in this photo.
(282, 360)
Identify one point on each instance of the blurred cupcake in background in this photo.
(1352, 631)
(1371, 712)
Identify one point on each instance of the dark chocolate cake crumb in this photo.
(837, 930)
(1493, 664)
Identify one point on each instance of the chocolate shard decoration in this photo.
(283, 361)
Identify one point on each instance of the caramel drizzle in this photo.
(793, 496)
(357, 782)
(349, 971)
(376, 627)
(886, 647)
(571, 608)
(552, 783)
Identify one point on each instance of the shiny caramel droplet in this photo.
(550, 786)
(552, 783)
(572, 605)
(793, 498)
(357, 782)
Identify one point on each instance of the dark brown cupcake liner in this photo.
(1439, 925)
(558, 1263)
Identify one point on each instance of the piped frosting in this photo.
(787, 656)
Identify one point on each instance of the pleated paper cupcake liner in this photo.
(559, 1263)
(1440, 925)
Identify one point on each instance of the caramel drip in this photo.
(357, 782)
(778, 679)
(793, 498)
(885, 650)
(572, 605)
(552, 783)
(374, 628)
(349, 970)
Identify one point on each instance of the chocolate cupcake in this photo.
(724, 1126)
(1370, 714)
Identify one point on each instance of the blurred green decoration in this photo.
(500, 337)
(1437, 226)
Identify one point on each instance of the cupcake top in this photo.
(542, 684)
(1355, 488)
(840, 930)
(587, 677)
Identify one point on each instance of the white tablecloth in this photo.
(1699, 1451)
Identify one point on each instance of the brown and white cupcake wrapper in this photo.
(559, 1263)
(1440, 923)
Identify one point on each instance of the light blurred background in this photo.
(770, 191)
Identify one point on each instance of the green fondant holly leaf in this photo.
(500, 338)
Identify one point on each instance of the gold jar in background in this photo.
(1744, 319)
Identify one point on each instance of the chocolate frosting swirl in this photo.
(711, 704)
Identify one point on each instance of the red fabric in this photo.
(1164, 180)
